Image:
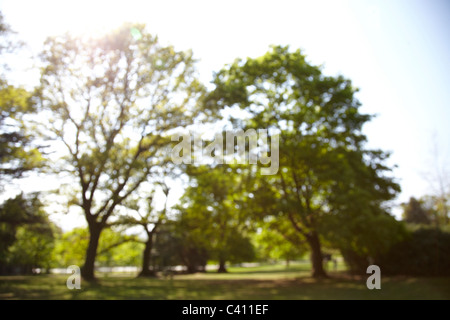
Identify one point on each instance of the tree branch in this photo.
(116, 245)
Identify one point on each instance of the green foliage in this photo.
(179, 243)
(14, 213)
(424, 253)
(363, 238)
(238, 247)
(127, 254)
(115, 249)
(277, 240)
(18, 154)
(325, 171)
(413, 212)
(437, 208)
(71, 248)
(211, 216)
(150, 220)
(113, 101)
(33, 246)
(26, 235)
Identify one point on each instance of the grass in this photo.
(265, 282)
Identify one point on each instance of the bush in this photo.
(426, 252)
(363, 238)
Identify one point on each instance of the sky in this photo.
(397, 52)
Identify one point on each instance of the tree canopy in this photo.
(112, 102)
(211, 212)
(414, 212)
(26, 234)
(325, 170)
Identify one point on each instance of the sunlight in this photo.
(82, 17)
(183, 150)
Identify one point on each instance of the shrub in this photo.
(425, 252)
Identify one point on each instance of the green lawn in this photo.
(265, 282)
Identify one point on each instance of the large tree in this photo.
(324, 169)
(112, 102)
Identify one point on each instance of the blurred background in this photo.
(91, 92)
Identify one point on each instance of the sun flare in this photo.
(86, 17)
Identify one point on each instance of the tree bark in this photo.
(146, 258)
(222, 266)
(87, 271)
(316, 255)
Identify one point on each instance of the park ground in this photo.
(266, 282)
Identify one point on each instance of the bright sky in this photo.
(396, 51)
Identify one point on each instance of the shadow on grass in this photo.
(232, 286)
(262, 272)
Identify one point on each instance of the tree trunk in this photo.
(146, 258)
(191, 268)
(87, 271)
(316, 256)
(222, 267)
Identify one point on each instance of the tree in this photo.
(150, 220)
(437, 208)
(324, 169)
(26, 234)
(438, 178)
(413, 212)
(277, 240)
(18, 154)
(363, 236)
(167, 247)
(210, 209)
(115, 248)
(112, 102)
(182, 241)
(24, 227)
(34, 246)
